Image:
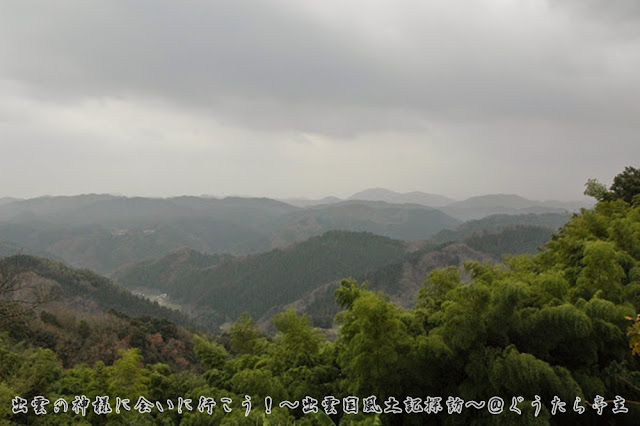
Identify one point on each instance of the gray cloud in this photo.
(621, 12)
(272, 65)
(233, 91)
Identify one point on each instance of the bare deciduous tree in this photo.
(21, 293)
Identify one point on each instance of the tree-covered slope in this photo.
(168, 272)
(40, 281)
(261, 282)
(104, 249)
(402, 279)
(511, 240)
(498, 222)
(178, 272)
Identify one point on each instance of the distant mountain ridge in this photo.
(104, 232)
(307, 202)
(475, 207)
(515, 201)
(415, 197)
(398, 221)
(92, 208)
(491, 204)
(498, 222)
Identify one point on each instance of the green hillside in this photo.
(511, 240)
(168, 272)
(402, 279)
(261, 282)
(195, 280)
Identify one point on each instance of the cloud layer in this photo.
(455, 97)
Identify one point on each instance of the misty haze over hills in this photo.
(415, 197)
(198, 248)
(474, 207)
(83, 208)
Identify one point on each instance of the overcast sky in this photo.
(296, 98)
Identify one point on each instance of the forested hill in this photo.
(306, 274)
(402, 278)
(498, 222)
(42, 282)
(168, 273)
(278, 277)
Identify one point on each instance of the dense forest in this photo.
(545, 338)
(216, 289)
(221, 291)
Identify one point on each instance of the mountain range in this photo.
(215, 258)
(475, 207)
(105, 232)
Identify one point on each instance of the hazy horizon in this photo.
(582, 198)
